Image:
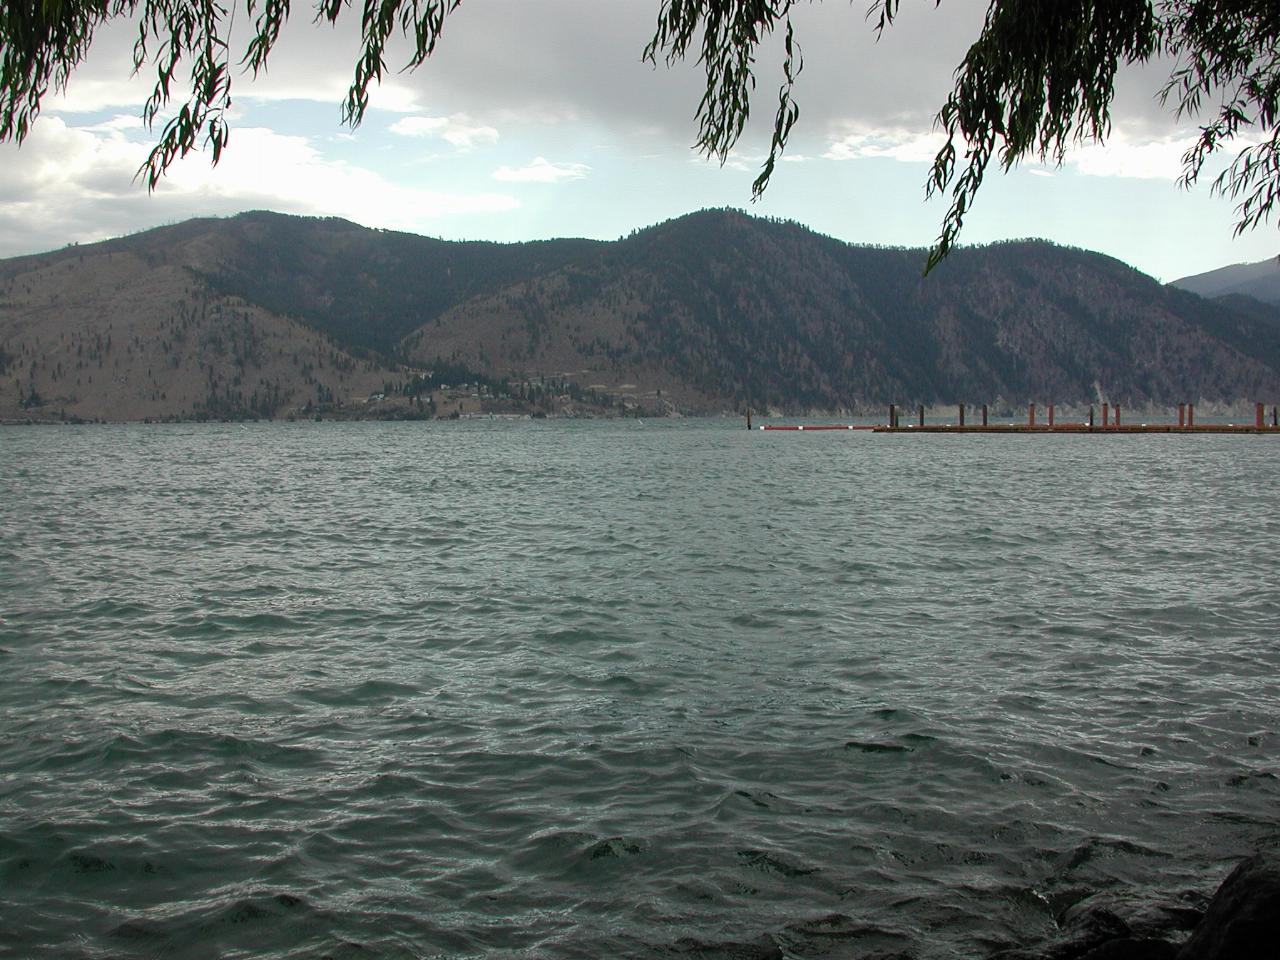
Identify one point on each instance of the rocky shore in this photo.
(1240, 922)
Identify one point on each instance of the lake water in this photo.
(593, 689)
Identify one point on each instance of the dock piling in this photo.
(1112, 422)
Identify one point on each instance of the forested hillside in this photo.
(269, 315)
(749, 312)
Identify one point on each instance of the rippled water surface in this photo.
(617, 689)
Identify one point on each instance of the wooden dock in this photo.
(1077, 428)
(1072, 428)
(1111, 423)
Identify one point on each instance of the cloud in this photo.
(1124, 154)
(121, 123)
(76, 183)
(458, 130)
(892, 143)
(309, 62)
(503, 62)
(549, 77)
(541, 170)
(1120, 156)
(737, 161)
(289, 173)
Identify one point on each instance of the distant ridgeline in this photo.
(265, 315)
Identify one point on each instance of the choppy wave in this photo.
(579, 690)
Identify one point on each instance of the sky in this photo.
(537, 119)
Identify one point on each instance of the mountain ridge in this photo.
(264, 314)
(1260, 280)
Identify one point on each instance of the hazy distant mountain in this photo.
(263, 314)
(1258, 280)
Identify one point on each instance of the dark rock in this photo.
(1145, 919)
(134, 929)
(770, 863)
(819, 936)
(613, 847)
(1162, 921)
(869, 747)
(1083, 928)
(1243, 919)
(1086, 927)
(1133, 948)
(764, 948)
(1183, 918)
(830, 925)
(1086, 921)
(90, 863)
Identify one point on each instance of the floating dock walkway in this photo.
(1110, 423)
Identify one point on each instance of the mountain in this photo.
(745, 311)
(1259, 280)
(268, 315)
(365, 288)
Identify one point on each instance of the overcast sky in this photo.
(537, 118)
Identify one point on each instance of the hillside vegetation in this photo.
(268, 315)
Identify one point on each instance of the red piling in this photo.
(1117, 414)
(1182, 415)
(1106, 415)
(1031, 415)
(1260, 416)
(1191, 414)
